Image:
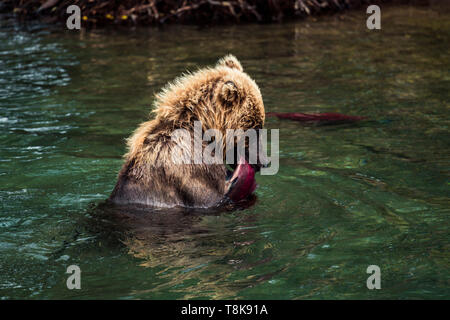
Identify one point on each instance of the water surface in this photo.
(345, 197)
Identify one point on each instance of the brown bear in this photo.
(222, 97)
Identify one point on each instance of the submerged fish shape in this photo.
(323, 118)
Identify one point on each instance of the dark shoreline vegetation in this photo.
(158, 12)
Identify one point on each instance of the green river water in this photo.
(345, 196)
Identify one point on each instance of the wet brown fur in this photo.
(222, 97)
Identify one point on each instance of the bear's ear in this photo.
(230, 61)
(229, 92)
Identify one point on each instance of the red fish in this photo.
(242, 183)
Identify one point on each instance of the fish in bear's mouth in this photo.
(240, 181)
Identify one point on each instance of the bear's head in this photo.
(222, 97)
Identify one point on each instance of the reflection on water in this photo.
(180, 241)
(345, 197)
